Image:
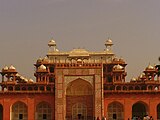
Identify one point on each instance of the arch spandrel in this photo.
(141, 102)
(19, 102)
(69, 79)
(140, 109)
(116, 101)
(79, 87)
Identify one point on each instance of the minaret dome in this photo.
(108, 44)
(52, 43)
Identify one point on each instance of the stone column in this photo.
(153, 108)
(6, 110)
(31, 109)
(127, 109)
(98, 96)
(59, 96)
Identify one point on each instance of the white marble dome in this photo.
(42, 67)
(133, 79)
(109, 42)
(46, 59)
(5, 68)
(118, 67)
(52, 43)
(150, 67)
(12, 67)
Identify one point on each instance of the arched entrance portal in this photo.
(79, 100)
(115, 111)
(1, 112)
(158, 112)
(139, 110)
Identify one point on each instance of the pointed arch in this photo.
(137, 88)
(130, 87)
(79, 93)
(79, 87)
(118, 87)
(43, 111)
(115, 111)
(139, 109)
(124, 87)
(19, 111)
(150, 87)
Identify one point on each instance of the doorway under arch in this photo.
(79, 100)
(1, 112)
(139, 109)
(115, 111)
(79, 111)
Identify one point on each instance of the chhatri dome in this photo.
(5, 68)
(109, 42)
(133, 79)
(52, 43)
(118, 67)
(150, 67)
(52, 46)
(12, 67)
(108, 45)
(42, 67)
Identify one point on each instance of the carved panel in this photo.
(98, 71)
(72, 71)
(69, 79)
(91, 71)
(78, 71)
(97, 78)
(59, 71)
(60, 93)
(65, 71)
(59, 78)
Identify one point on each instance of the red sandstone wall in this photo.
(128, 100)
(31, 100)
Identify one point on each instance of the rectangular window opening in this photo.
(114, 116)
(20, 116)
(44, 117)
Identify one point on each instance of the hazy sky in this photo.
(26, 26)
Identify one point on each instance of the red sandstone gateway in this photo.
(79, 85)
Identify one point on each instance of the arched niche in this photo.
(79, 87)
(115, 111)
(139, 109)
(19, 111)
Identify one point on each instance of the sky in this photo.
(26, 27)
